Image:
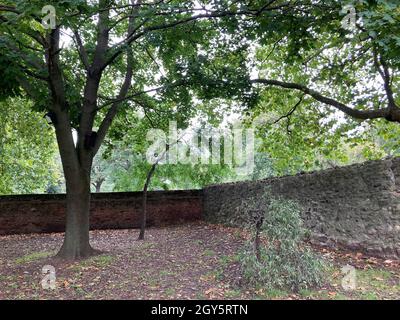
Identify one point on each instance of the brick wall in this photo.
(46, 213)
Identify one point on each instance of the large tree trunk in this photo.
(76, 241)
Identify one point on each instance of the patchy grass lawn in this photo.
(197, 261)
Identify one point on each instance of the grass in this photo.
(270, 294)
(153, 283)
(100, 261)
(371, 284)
(166, 273)
(225, 260)
(103, 260)
(169, 292)
(368, 296)
(146, 245)
(209, 253)
(33, 257)
(232, 294)
(97, 262)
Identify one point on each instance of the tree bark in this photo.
(76, 241)
(144, 204)
(98, 185)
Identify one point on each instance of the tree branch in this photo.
(119, 48)
(386, 113)
(59, 106)
(107, 121)
(81, 50)
(139, 93)
(287, 116)
(93, 79)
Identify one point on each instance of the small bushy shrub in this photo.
(276, 257)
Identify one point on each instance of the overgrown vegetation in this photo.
(275, 257)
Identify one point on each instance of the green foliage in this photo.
(284, 262)
(213, 60)
(317, 52)
(124, 156)
(9, 85)
(126, 170)
(27, 149)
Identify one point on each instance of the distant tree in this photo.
(27, 149)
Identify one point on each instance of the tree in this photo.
(27, 149)
(107, 166)
(163, 55)
(144, 201)
(112, 40)
(355, 71)
(329, 88)
(276, 257)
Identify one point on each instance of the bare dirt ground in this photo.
(196, 261)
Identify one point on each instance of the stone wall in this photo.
(46, 213)
(357, 206)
